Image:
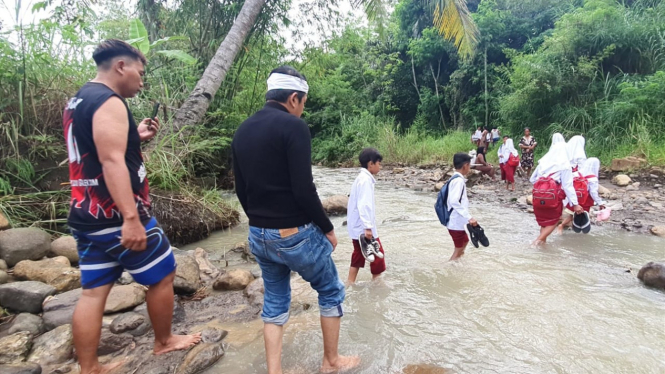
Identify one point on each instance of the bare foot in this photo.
(559, 229)
(177, 343)
(342, 364)
(104, 369)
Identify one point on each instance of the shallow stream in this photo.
(570, 307)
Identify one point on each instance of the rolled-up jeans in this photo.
(307, 252)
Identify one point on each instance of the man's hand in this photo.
(133, 235)
(148, 128)
(332, 238)
(578, 209)
(473, 222)
(368, 234)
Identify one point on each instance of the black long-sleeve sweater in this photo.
(272, 154)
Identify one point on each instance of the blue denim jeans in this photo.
(307, 252)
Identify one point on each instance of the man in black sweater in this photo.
(274, 183)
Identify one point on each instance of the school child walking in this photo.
(587, 178)
(508, 161)
(361, 216)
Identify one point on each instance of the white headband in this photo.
(278, 81)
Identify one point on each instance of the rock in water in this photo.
(336, 205)
(54, 347)
(22, 368)
(65, 246)
(255, 291)
(15, 348)
(56, 272)
(234, 280)
(123, 298)
(201, 357)
(25, 296)
(207, 271)
(135, 324)
(187, 280)
(23, 244)
(110, 342)
(658, 231)
(653, 275)
(59, 310)
(621, 180)
(26, 322)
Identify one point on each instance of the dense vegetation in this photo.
(592, 67)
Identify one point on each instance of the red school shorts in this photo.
(460, 237)
(358, 260)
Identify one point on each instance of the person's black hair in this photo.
(527, 128)
(281, 96)
(112, 48)
(367, 155)
(461, 159)
(480, 150)
(506, 136)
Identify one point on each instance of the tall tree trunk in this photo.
(415, 82)
(436, 89)
(487, 108)
(194, 108)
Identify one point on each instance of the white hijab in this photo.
(506, 150)
(591, 168)
(575, 150)
(558, 138)
(555, 160)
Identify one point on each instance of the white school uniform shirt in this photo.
(360, 211)
(460, 215)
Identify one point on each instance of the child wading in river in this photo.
(361, 214)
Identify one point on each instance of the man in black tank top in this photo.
(109, 211)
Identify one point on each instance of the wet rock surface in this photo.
(187, 279)
(653, 275)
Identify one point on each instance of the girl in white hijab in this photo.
(590, 170)
(558, 138)
(554, 165)
(576, 153)
(507, 171)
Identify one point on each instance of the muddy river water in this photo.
(573, 306)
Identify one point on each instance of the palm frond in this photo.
(453, 20)
(374, 9)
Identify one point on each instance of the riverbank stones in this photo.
(15, 347)
(65, 246)
(22, 368)
(54, 347)
(336, 205)
(658, 231)
(201, 357)
(621, 180)
(24, 322)
(123, 298)
(23, 244)
(25, 296)
(653, 275)
(233, 280)
(255, 291)
(4, 277)
(56, 272)
(135, 324)
(187, 279)
(111, 343)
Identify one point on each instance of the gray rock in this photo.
(22, 368)
(54, 347)
(187, 280)
(111, 343)
(179, 313)
(233, 280)
(621, 180)
(4, 277)
(59, 309)
(3, 265)
(26, 322)
(213, 335)
(23, 244)
(201, 357)
(207, 271)
(65, 246)
(336, 205)
(653, 275)
(56, 272)
(125, 278)
(15, 348)
(159, 370)
(136, 324)
(124, 298)
(25, 296)
(255, 292)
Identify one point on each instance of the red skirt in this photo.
(548, 216)
(509, 172)
(503, 171)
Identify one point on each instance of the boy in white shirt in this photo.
(459, 203)
(361, 214)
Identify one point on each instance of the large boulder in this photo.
(336, 205)
(111, 343)
(15, 348)
(136, 324)
(65, 246)
(54, 347)
(58, 310)
(56, 272)
(658, 231)
(621, 180)
(653, 275)
(627, 164)
(233, 280)
(201, 357)
(187, 279)
(255, 291)
(4, 222)
(123, 298)
(207, 271)
(24, 322)
(23, 244)
(25, 296)
(22, 368)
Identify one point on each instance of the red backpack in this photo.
(513, 160)
(547, 193)
(581, 186)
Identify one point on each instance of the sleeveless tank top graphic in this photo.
(91, 205)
